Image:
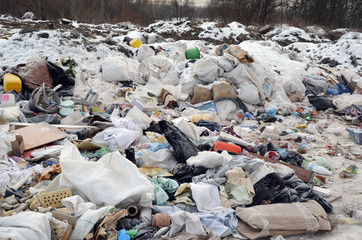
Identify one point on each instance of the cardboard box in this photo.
(17, 146)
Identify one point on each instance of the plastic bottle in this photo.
(316, 168)
(302, 148)
(282, 153)
(324, 163)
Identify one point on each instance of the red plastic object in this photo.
(227, 147)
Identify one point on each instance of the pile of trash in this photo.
(200, 143)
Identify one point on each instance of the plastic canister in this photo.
(12, 82)
(192, 53)
(7, 100)
(135, 43)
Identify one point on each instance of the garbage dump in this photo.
(177, 140)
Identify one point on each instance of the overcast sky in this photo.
(200, 2)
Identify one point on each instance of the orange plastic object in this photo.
(227, 147)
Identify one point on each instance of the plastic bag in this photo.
(315, 80)
(10, 114)
(248, 92)
(321, 102)
(346, 100)
(5, 145)
(313, 89)
(224, 108)
(312, 129)
(207, 71)
(182, 147)
(144, 52)
(34, 73)
(162, 158)
(294, 84)
(121, 177)
(208, 160)
(242, 74)
(42, 100)
(25, 225)
(139, 118)
(115, 69)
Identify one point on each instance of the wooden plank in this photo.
(304, 174)
(17, 125)
(40, 134)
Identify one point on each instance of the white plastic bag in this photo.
(208, 160)
(120, 138)
(10, 114)
(248, 92)
(153, 86)
(206, 197)
(312, 129)
(139, 118)
(346, 100)
(25, 226)
(109, 181)
(144, 52)
(242, 74)
(162, 158)
(115, 69)
(293, 84)
(224, 108)
(87, 221)
(207, 71)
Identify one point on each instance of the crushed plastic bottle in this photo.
(349, 172)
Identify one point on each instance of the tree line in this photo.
(329, 13)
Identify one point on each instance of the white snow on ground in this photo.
(211, 31)
(169, 26)
(293, 34)
(340, 51)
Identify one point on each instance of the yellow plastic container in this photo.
(135, 43)
(12, 82)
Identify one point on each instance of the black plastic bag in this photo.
(183, 173)
(182, 147)
(263, 149)
(298, 191)
(212, 126)
(312, 89)
(321, 102)
(61, 77)
(241, 105)
(267, 188)
(294, 158)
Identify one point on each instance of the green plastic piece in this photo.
(192, 53)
